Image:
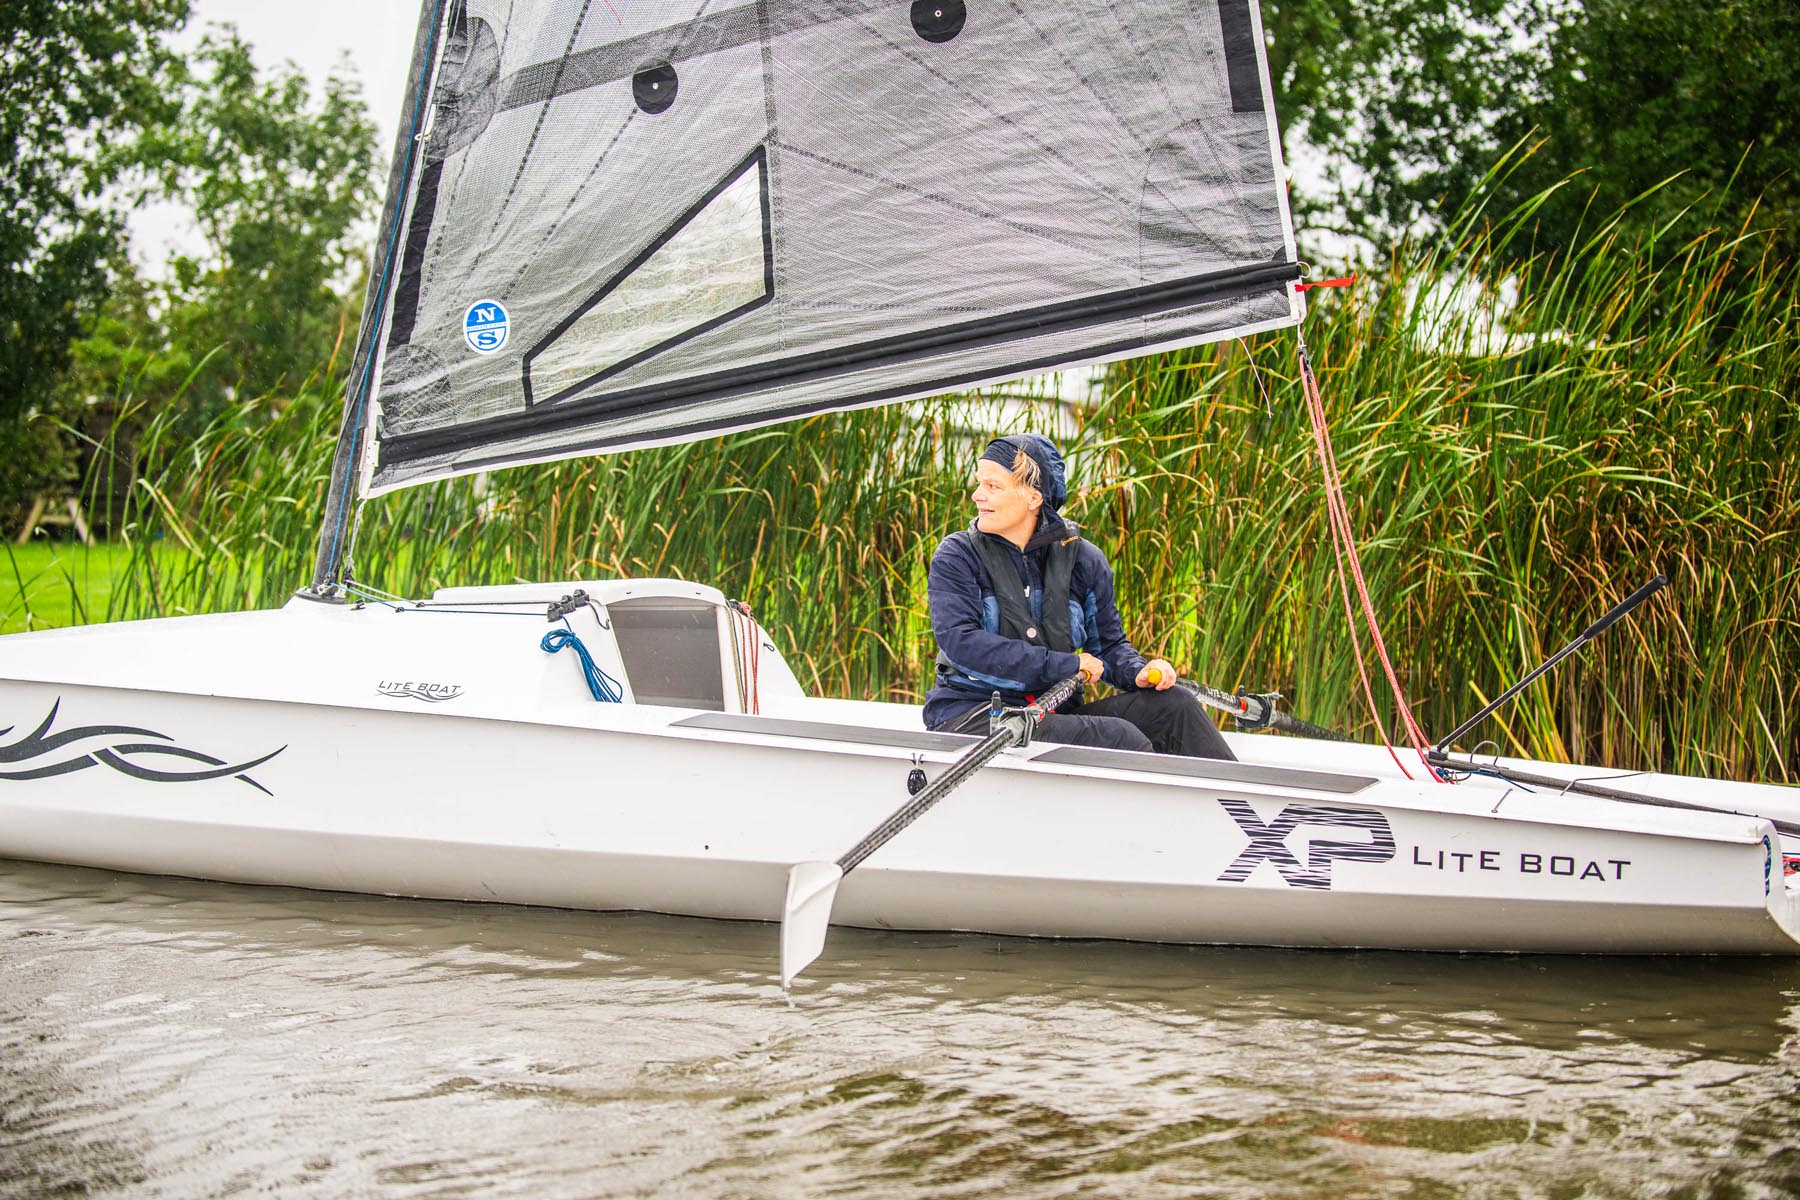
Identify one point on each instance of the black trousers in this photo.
(1166, 722)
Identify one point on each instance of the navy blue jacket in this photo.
(965, 619)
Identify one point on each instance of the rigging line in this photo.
(601, 686)
(1502, 776)
(469, 612)
(1414, 732)
(1344, 588)
(1261, 387)
(379, 315)
(374, 593)
(351, 589)
(756, 636)
(1581, 779)
(402, 605)
(1345, 544)
(355, 535)
(737, 660)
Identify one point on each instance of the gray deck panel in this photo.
(1076, 756)
(866, 735)
(1207, 768)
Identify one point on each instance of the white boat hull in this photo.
(519, 788)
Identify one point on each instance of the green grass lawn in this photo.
(47, 584)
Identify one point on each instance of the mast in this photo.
(352, 446)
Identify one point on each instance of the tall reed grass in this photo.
(1508, 483)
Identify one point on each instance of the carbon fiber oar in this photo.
(1258, 711)
(812, 886)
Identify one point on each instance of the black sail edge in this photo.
(687, 393)
(347, 459)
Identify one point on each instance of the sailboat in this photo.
(620, 224)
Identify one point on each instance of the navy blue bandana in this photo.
(1052, 481)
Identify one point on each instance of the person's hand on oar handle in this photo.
(1158, 674)
(1091, 668)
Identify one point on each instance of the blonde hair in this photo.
(1025, 471)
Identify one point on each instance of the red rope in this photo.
(1340, 281)
(1349, 567)
(755, 664)
(750, 662)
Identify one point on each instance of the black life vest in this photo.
(1053, 629)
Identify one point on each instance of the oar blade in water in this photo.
(805, 917)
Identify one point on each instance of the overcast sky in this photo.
(375, 36)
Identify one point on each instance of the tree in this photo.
(280, 183)
(72, 77)
(1414, 101)
(1646, 91)
(1408, 101)
(279, 186)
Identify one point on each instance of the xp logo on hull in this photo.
(1269, 841)
(485, 326)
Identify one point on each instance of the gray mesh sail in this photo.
(620, 223)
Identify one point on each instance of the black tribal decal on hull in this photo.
(121, 755)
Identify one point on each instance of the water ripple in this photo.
(167, 1038)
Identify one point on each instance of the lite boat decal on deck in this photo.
(401, 689)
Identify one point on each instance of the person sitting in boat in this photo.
(1019, 601)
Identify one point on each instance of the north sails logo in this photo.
(1269, 841)
(406, 690)
(123, 751)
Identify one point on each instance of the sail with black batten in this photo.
(616, 223)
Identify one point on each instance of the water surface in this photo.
(164, 1037)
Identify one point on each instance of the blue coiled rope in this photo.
(604, 687)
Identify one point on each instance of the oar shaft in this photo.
(1226, 702)
(946, 783)
(1011, 733)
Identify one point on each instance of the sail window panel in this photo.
(548, 204)
(714, 266)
